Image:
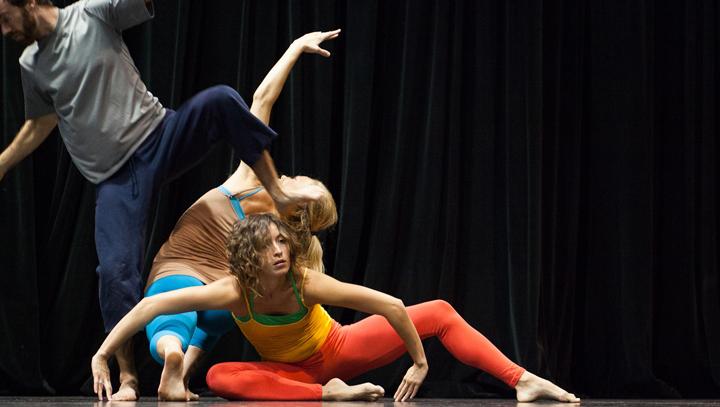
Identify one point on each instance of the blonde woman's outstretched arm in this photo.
(269, 90)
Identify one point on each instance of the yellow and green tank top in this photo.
(286, 338)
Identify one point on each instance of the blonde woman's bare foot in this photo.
(336, 390)
(128, 390)
(172, 387)
(531, 388)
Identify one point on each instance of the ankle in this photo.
(524, 377)
(169, 345)
(128, 378)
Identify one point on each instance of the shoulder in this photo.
(98, 10)
(307, 276)
(208, 209)
(209, 200)
(230, 283)
(92, 6)
(79, 8)
(260, 202)
(228, 286)
(316, 285)
(81, 16)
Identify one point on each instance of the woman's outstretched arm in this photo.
(218, 295)
(319, 288)
(269, 90)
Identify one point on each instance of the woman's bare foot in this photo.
(172, 387)
(192, 355)
(128, 390)
(336, 390)
(531, 387)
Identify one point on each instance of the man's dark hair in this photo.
(22, 3)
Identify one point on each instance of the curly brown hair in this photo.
(248, 239)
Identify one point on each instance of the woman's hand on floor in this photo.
(101, 377)
(411, 382)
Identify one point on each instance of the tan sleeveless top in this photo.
(196, 246)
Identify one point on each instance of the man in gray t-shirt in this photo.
(107, 112)
(77, 74)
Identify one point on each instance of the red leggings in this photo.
(355, 349)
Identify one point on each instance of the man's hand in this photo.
(411, 382)
(33, 132)
(101, 377)
(310, 42)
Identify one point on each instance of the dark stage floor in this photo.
(216, 402)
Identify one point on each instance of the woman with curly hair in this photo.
(277, 303)
(194, 254)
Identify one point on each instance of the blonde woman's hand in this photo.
(101, 377)
(411, 382)
(310, 42)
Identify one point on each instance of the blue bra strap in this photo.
(234, 201)
(251, 193)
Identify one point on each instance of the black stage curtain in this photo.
(548, 167)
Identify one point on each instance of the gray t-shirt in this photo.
(83, 72)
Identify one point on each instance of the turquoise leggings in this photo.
(201, 329)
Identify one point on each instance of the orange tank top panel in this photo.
(288, 342)
(196, 246)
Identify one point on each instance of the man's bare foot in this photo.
(531, 388)
(172, 387)
(128, 390)
(336, 390)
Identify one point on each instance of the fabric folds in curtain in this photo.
(548, 167)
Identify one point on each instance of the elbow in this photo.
(395, 308)
(44, 124)
(145, 308)
(260, 97)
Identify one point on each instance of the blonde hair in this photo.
(317, 215)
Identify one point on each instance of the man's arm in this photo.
(121, 14)
(30, 136)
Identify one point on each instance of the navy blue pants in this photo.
(123, 200)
